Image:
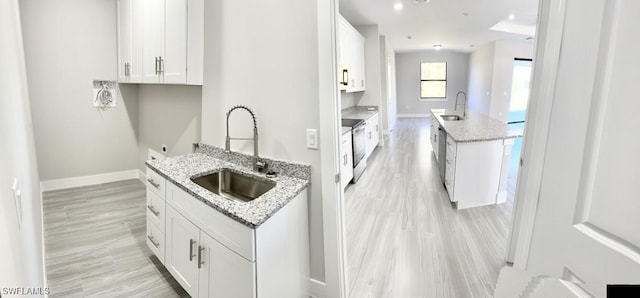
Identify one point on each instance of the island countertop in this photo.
(293, 178)
(475, 127)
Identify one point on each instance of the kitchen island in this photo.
(473, 155)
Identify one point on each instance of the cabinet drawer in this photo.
(155, 240)
(451, 147)
(232, 234)
(156, 183)
(155, 210)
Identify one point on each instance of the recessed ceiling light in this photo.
(472, 46)
(437, 47)
(398, 6)
(409, 37)
(466, 14)
(529, 38)
(512, 17)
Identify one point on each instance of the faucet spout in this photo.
(455, 108)
(257, 164)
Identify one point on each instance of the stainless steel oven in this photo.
(359, 145)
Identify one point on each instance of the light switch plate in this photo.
(312, 139)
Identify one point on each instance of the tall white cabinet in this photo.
(351, 45)
(160, 41)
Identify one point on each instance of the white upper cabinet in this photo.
(160, 41)
(352, 64)
(129, 41)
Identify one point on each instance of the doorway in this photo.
(520, 90)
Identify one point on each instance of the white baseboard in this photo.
(65, 183)
(414, 115)
(317, 289)
(142, 176)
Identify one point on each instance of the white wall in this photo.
(490, 75)
(21, 248)
(347, 100)
(252, 51)
(480, 78)
(168, 115)
(408, 80)
(388, 84)
(68, 44)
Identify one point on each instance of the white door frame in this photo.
(332, 194)
(545, 66)
(546, 58)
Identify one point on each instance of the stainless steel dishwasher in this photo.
(442, 152)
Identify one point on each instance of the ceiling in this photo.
(458, 25)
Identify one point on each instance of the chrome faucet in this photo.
(257, 164)
(464, 111)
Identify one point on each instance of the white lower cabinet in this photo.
(212, 255)
(203, 266)
(225, 273)
(434, 135)
(346, 159)
(182, 249)
(372, 132)
(473, 171)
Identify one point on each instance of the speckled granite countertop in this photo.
(359, 112)
(475, 127)
(292, 179)
(345, 129)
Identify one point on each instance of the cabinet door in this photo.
(375, 132)
(153, 40)
(137, 24)
(224, 273)
(346, 160)
(346, 54)
(181, 250)
(124, 40)
(359, 61)
(175, 54)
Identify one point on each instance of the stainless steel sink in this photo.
(234, 186)
(451, 118)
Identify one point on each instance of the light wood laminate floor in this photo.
(95, 244)
(404, 238)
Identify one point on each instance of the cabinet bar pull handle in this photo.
(156, 185)
(200, 261)
(191, 255)
(156, 65)
(161, 65)
(345, 77)
(153, 242)
(156, 213)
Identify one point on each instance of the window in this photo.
(433, 80)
